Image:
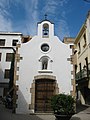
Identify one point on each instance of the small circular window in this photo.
(45, 47)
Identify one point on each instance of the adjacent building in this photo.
(82, 63)
(8, 42)
(72, 59)
(80, 59)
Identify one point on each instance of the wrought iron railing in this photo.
(81, 74)
(84, 73)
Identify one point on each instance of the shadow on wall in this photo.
(1, 75)
(22, 105)
(23, 111)
(1, 82)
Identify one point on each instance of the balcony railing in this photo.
(82, 74)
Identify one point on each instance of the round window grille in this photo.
(45, 47)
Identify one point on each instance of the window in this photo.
(45, 47)
(2, 42)
(14, 43)
(79, 48)
(45, 30)
(7, 73)
(9, 57)
(75, 69)
(86, 60)
(0, 56)
(80, 67)
(84, 36)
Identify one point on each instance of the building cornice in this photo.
(83, 28)
(10, 33)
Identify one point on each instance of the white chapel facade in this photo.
(43, 70)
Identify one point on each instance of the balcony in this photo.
(82, 75)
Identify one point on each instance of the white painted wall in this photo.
(29, 66)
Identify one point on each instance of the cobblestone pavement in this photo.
(6, 114)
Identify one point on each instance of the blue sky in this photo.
(23, 15)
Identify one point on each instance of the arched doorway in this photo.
(44, 87)
(44, 90)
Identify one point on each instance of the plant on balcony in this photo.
(63, 106)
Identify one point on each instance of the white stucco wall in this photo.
(29, 66)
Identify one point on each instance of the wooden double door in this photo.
(44, 90)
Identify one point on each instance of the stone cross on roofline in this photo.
(45, 16)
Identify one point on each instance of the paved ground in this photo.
(83, 113)
(6, 114)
